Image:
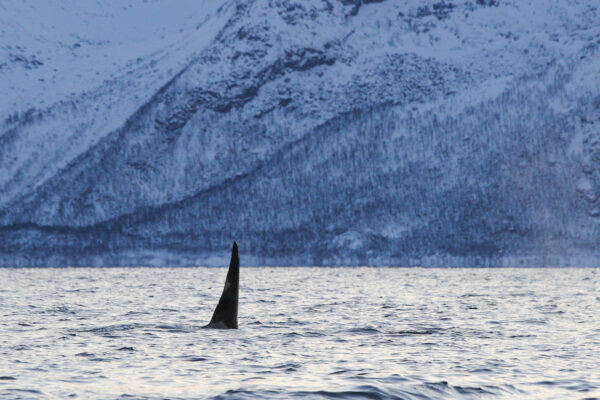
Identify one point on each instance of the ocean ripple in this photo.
(305, 333)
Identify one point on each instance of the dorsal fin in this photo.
(225, 315)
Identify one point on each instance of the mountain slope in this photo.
(329, 133)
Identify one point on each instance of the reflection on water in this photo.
(304, 333)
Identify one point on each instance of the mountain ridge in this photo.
(355, 150)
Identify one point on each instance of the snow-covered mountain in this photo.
(313, 132)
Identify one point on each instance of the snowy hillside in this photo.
(313, 132)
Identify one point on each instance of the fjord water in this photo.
(304, 333)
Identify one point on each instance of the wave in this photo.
(429, 390)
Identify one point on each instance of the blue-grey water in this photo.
(307, 333)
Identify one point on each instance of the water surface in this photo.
(307, 333)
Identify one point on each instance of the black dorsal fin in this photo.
(225, 315)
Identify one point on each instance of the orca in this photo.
(225, 315)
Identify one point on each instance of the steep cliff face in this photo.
(319, 132)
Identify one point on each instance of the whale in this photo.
(226, 312)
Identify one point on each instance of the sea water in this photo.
(305, 333)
